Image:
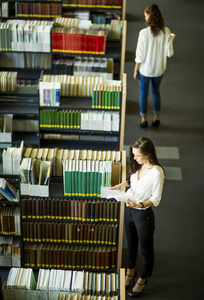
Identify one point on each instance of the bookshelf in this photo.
(11, 240)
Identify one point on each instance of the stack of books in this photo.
(93, 3)
(12, 157)
(55, 255)
(9, 251)
(20, 278)
(100, 121)
(8, 81)
(38, 10)
(69, 209)
(25, 36)
(63, 66)
(72, 233)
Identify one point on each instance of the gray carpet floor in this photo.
(179, 243)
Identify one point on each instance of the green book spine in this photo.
(88, 173)
(75, 119)
(73, 177)
(103, 100)
(118, 99)
(113, 104)
(100, 179)
(97, 104)
(71, 119)
(76, 176)
(92, 178)
(58, 119)
(93, 99)
(70, 178)
(61, 119)
(41, 118)
(108, 99)
(49, 118)
(84, 179)
(64, 119)
(66, 179)
(68, 119)
(78, 120)
(80, 179)
(96, 178)
(53, 118)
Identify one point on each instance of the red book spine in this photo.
(97, 43)
(102, 44)
(54, 41)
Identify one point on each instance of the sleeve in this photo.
(157, 189)
(170, 49)
(140, 49)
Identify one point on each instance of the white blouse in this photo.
(149, 187)
(152, 52)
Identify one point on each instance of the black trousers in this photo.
(139, 229)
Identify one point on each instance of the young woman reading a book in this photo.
(145, 179)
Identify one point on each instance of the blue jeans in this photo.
(144, 90)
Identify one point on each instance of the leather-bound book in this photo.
(47, 250)
(85, 232)
(84, 204)
(24, 231)
(41, 208)
(39, 229)
(64, 209)
(112, 206)
(88, 233)
(24, 208)
(81, 233)
(116, 211)
(107, 258)
(98, 258)
(59, 232)
(70, 233)
(90, 255)
(52, 232)
(63, 232)
(92, 233)
(56, 208)
(33, 250)
(96, 216)
(60, 209)
(66, 257)
(72, 209)
(44, 201)
(58, 256)
(49, 208)
(66, 232)
(29, 208)
(113, 257)
(108, 209)
(35, 232)
(79, 210)
(88, 211)
(103, 234)
(37, 208)
(110, 238)
(70, 256)
(105, 211)
(39, 255)
(74, 233)
(69, 209)
(78, 257)
(74, 257)
(62, 260)
(94, 257)
(76, 217)
(92, 211)
(96, 234)
(31, 233)
(51, 256)
(43, 232)
(78, 230)
(52, 208)
(47, 232)
(82, 257)
(26, 255)
(100, 233)
(55, 256)
(106, 240)
(55, 232)
(115, 234)
(100, 217)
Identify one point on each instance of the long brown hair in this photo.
(146, 147)
(155, 20)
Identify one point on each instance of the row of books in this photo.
(100, 121)
(58, 156)
(85, 178)
(9, 251)
(63, 66)
(106, 97)
(93, 3)
(25, 36)
(71, 233)
(6, 128)
(8, 81)
(74, 282)
(38, 10)
(64, 256)
(77, 119)
(74, 86)
(12, 157)
(75, 40)
(92, 66)
(10, 220)
(69, 209)
(86, 297)
(25, 60)
(49, 93)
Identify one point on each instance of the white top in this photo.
(149, 187)
(152, 52)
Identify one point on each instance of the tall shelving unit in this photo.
(24, 104)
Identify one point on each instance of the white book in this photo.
(118, 195)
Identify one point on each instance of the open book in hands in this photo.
(116, 194)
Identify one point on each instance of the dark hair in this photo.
(155, 21)
(146, 147)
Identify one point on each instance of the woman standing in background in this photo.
(155, 44)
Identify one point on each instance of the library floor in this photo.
(179, 244)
